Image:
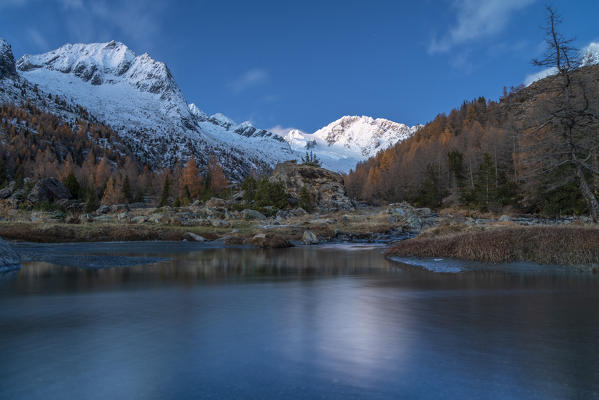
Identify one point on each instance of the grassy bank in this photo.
(58, 233)
(564, 245)
(357, 224)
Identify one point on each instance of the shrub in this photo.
(305, 201)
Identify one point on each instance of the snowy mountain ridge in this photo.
(139, 98)
(349, 140)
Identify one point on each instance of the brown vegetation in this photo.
(39, 145)
(59, 233)
(563, 245)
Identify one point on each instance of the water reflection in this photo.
(205, 266)
(297, 323)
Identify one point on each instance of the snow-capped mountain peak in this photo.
(139, 98)
(107, 63)
(350, 139)
(222, 120)
(195, 111)
(590, 54)
(364, 134)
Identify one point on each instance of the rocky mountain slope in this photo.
(350, 139)
(7, 61)
(139, 98)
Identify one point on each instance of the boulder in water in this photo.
(310, 238)
(269, 241)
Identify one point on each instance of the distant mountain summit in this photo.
(350, 139)
(590, 54)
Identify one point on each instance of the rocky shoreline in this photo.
(213, 220)
(240, 219)
(216, 220)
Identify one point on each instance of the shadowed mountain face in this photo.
(7, 61)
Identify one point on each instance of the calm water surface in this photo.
(331, 322)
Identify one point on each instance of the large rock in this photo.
(325, 187)
(215, 202)
(8, 257)
(48, 189)
(7, 191)
(309, 238)
(252, 214)
(408, 215)
(269, 241)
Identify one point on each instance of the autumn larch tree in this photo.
(191, 180)
(218, 181)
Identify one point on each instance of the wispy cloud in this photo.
(250, 78)
(281, 130)
(20, 3)
(13, 3)
(530, 78)
(72, 4)
(476, 19)
(138, 22)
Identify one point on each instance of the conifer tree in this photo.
(126, 190)
(249, 186)
(311, 159)
(305, 201)
(72, 184)
(165, 192)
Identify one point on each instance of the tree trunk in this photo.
(588, 193)
(470, 170)
(595, 163)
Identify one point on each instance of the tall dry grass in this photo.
(565, 245)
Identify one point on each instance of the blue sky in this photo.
(304, 64)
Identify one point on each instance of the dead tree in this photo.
(564, 129)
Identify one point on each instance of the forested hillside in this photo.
(491, 154)
(91, 160)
